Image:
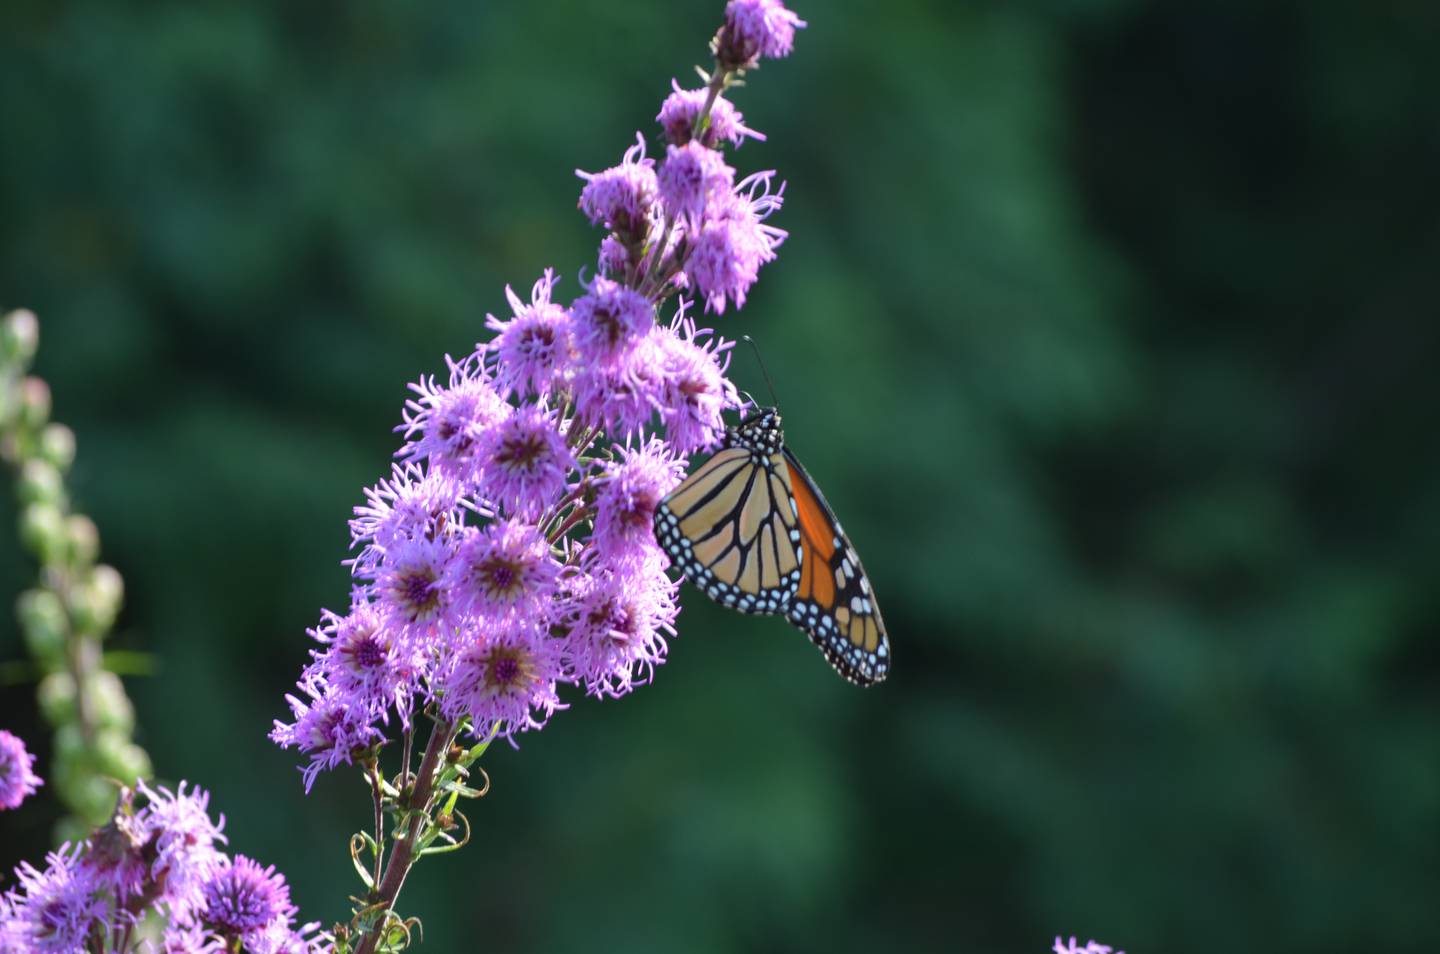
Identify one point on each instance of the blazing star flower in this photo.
(444, 424)
(630, 490)
(693, 178)
(621, 197)
(616, 624)
(609, 320)
(524, 460)
(18, 780)
(56, 909)
(365, 661)
(1091, 947)
(504, 680)
(412, 504)
(532, 349)
(408, 587)
(182, 837)
(328, 728)
(696, 389)
(614, 257)
(241, 899)
(623, 399)
(115, 859)
(756, 28)
(726, 253)
(504, 567)
(185, 939)
(681, 108)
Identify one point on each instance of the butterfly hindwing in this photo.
(834, 603)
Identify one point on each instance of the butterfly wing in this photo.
(834, 604)
(732, 529)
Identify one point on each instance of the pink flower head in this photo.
(327, 728)
(623, 397)
(409, 589)
(18, 780)
(504, 679)
(366, 662)
(617, 618)
(184, 839)
(756, 28)
(609, 321)
(692, 179)
(52, 911)
(243, 900)
(621, 197)
(532, 349)
(505, 567)
(681, 108)
(444, 424)
(412, 504)
(726, 254)
(524, 461)
(630, 490)
(696, 389)
(614, 257)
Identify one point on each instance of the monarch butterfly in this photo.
(751, 529)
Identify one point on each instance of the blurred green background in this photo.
(1109, 329)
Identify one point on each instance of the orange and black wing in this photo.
(731, 528)
(834, 604)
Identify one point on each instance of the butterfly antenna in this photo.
(763, 370)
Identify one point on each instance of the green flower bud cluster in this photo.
(67, 616)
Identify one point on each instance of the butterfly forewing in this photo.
(731, 528)
(834, 604)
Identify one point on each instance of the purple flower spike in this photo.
(409, 588)
(621, 197)
(726, 254)
(524, 460)
(532, 349)
(681, 108)
(693, 179)
(53, 911)
(242, 900)
(756, 28)
(18, 780)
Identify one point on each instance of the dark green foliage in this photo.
(1106, 327)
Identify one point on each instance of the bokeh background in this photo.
(1108, 327)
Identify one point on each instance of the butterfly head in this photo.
(760, 431)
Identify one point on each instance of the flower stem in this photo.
(403, 855)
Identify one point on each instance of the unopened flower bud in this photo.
(19, 337)
(57, 445)
(111, 706)
(34, 403)
(82, 539)
(56, 696)
(118, 757)
(42, 530)
(40, 483)
(42, 619)
(95, 603)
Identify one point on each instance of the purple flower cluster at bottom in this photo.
(160, 857)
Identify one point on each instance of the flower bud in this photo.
(80, 773)
(57, 445)
(112, 708)
(118, 757)
(82, 540)
(34, 403)
(56, 696)
(42, 530)
(95, 602)
(40, 483)
(42, 619)
(19, 337)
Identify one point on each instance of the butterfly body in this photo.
(751, 529)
